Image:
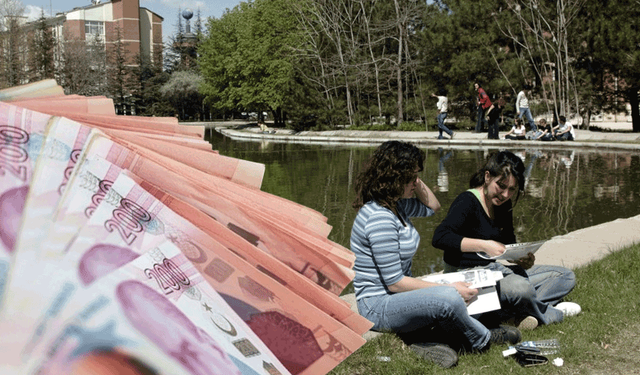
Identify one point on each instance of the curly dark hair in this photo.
(390, 168)
(503, 164)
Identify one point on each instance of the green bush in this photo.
(465, 123)
(407, 126)
(370, 127)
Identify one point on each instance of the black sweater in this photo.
(467, 218)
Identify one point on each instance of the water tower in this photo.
(187, 14)
(186, 42)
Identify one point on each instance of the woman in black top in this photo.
(545, 132)
(481, 220)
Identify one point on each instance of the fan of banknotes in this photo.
(128, 246)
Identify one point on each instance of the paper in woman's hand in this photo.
(515, 251)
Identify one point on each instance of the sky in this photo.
(167, 9)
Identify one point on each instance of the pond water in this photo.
(565, 190)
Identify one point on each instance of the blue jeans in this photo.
(532, 161)
(443, 158)
(425, 312)
(441, 126)
(481, 119)
(494, 129)
(565, 137)
(534, 291)
(527, 113)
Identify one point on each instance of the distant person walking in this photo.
(484, 104)
(443, 104)
(522, 107)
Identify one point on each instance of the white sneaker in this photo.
(569, 308)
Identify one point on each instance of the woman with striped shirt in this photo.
(425, 315)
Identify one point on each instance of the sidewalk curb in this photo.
(345, 137)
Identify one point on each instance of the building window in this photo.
(92, 28)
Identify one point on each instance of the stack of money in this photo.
(129, 246)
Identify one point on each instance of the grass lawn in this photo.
(604, 339)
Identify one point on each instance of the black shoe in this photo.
(440, 354)
(505, 335)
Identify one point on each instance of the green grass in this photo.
(594, 341)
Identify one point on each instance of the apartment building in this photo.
(140, 28)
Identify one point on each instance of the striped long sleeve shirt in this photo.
(384, 248)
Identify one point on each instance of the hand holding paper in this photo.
(483, 280)
(516, 251)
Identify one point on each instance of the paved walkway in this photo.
(570, 250)
(584, 138)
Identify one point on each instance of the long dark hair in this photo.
(501, 164)
(518, 122)
(388, 170)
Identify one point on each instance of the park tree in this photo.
(171, 54)
(329, 43)
(460, 46)
(540, 32)
(182, 90)
(179, 24)
(81, 68)
(148, 79)
(610, 53)
(12, 43)
(350, 61)
(366, 55)
(152, 103)
(407, 13)
(372, 49)
(198, 27)
(9, 9)
(41, 51)
(504, 45)
(119, 82)
(246, 59)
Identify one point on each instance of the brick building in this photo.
(140, 28)
(140, 32)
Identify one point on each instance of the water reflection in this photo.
(443, 175)
(564, 191)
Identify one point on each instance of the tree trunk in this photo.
(399, 64)
(373, 59)
(586, 123)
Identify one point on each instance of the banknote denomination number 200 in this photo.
(13, 151)
(168, 276)
(127, 220)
